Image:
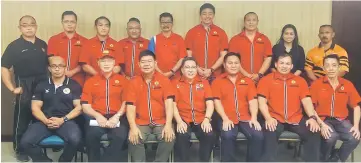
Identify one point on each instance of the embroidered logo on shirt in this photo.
(116, 81)
(140, 45)
(242, 81)
(46, 90)
(199, 87)
(24, 50)
(66, 91)
(77, 43)
(43, 49)
(342, 88)
(111, 45)
(178, 86)
(293, 82)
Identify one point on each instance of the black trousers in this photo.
(311, 141)
(69, 132)
(22, 110)
(206, 141)
(118, 137)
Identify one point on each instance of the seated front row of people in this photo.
(147, 103)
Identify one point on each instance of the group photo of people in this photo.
(171, 86)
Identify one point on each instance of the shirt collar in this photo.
(76, 36)
(243, 34)
(22, 39)
(140, 39)
(65, 82)
(340, 80)
(240, 76)
(106, 40)
(196, 79)
(280, 76)
(331, 47)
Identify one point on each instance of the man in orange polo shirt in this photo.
(280, 95)
(149, 103)
(169, 47)
(207, 43)
(254, 47)
(102, 100)
(130, 48)
(68, 44)
(235, 98)
(338, 93)
(102, 41)
(314, 57)
(193, 108)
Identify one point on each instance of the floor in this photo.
(285, 155)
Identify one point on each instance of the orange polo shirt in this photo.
(235, 98)
(253, 52)
(169, 51)
(333, 103)
(207, 46)
(149, 98)
(314, 58)
(191, 98)
(284, 94)
(95, 47)
(104, 95)
(130, 54)
(70, 50)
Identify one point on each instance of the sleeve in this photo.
(182, 48)
(233, 45)
(224, 42)
(85, 54)
(188, 40)
(314, 94)
(207, 91)
(252, 91)
(168, 91)
(38, 93)
(87, 97)
(216, 90)
(302, 59)
(6, 60)
(267, 48)
(77, 91)
(130, 96)
(354, 97)
(263, 88)
(52, 47)
(309, 63)
(304, 90)
(344, 63)
(151, 45)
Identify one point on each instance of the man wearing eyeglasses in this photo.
(68, 44)
(55, 104)
(26, 56)
(169, 47)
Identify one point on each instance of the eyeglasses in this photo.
(69, 22)
(57, 66)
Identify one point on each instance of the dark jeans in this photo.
(341, 130)
(38, 131)
(117, 137)
(311, 141)
(183, 142)
(22, 110)
(254, 143)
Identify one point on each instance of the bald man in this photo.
(55, 105)
(27, 57)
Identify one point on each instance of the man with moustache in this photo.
(314, 58)
(68, 44)
(169, 47)
(27, 57)
(130, 48)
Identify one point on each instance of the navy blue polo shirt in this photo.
(57, 102)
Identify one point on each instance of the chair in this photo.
(285, 136)
(53, 141)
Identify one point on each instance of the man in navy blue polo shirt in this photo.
(55, 104)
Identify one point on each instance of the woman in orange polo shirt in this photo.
(193, 109)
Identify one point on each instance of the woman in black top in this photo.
(288, 43)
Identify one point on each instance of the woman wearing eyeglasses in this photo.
(193, 110)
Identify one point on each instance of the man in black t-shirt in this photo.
(55, 105)
(27, 57)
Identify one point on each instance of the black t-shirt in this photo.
(27, 58)
(57, 102)
(297, 53)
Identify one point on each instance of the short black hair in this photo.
(146, 53)
(333, 56)
(326, 25)
(231, 54)
(205, 6)
(283, 55)
(166, 14)
(185, 59)
(101, 17)
(69, 13)
(133, 19)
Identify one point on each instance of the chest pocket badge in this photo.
(66, 90)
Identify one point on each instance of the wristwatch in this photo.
(66, 119)
(210, 119)
(212, 70)
(313, 117)
(260, 75)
